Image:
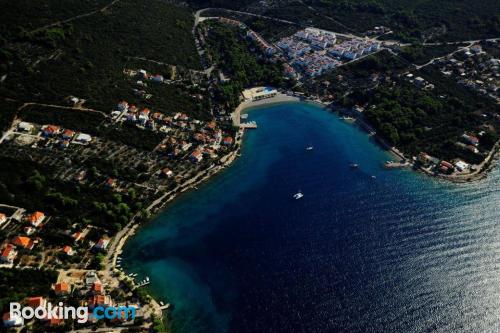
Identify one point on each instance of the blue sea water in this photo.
(401, 252)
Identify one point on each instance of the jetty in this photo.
(396, 165)
(249, 125)
(165, 306)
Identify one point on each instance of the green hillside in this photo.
(86, 57)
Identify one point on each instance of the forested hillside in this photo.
(410, 20)
(86, 56)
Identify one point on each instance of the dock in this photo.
(165, 306)
(396, 165)
(249, 125)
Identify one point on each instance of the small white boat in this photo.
(147, 278)
(309, 148)
(354, 165)
(374, 177)
(298, 195)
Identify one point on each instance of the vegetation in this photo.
(418, 120)
(363, 74)
(419, 54)
(86, 57)
(19, 284)
(77, 120)
(415, 20)
(7, 113)
(231, 52)
(135, 137)
(26, 184)
(410, 20)
(30, 15)
(268, 29)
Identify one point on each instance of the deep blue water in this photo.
(399, 253)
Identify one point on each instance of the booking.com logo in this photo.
(81, 313)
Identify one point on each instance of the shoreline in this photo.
(119, 241)
(116, 248)
(483, 169)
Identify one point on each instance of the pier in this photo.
(396, 165)
(249, 125)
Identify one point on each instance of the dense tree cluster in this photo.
(228, 49)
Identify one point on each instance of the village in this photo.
(130, 183)
(474, 68)
(312, 52)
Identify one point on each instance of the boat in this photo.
(147, 278)
(298, 195)
(374, 177)
(354, 166)
(309, 148)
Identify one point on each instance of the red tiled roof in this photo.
(22, 241)
(35, 302)
(61, 287)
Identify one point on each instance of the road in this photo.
(198, 13)
(100, 10)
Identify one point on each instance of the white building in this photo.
(83, 138)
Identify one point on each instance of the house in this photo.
(25, 127)
(12, 321)
(100, 300)
(8, 255)
(470, 139)
(166, 173)
(157, 78)
(228, 141)
(476, 48)
(36, 218)
(24, 242)
(110, 183)
(77, 236)
(122, 106)
(461, 166)
(68, 134)
(102, 244)
(196, 156)
(83, 138)
(419, 81)
(91, 277)
(62, 288)
(56, 321)
(37, 302)
(50, 130)
(68, 250)
(424, 158)
(97, 288)
(64, 144)
(3, 218)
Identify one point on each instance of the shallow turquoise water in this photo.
(399, 253)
